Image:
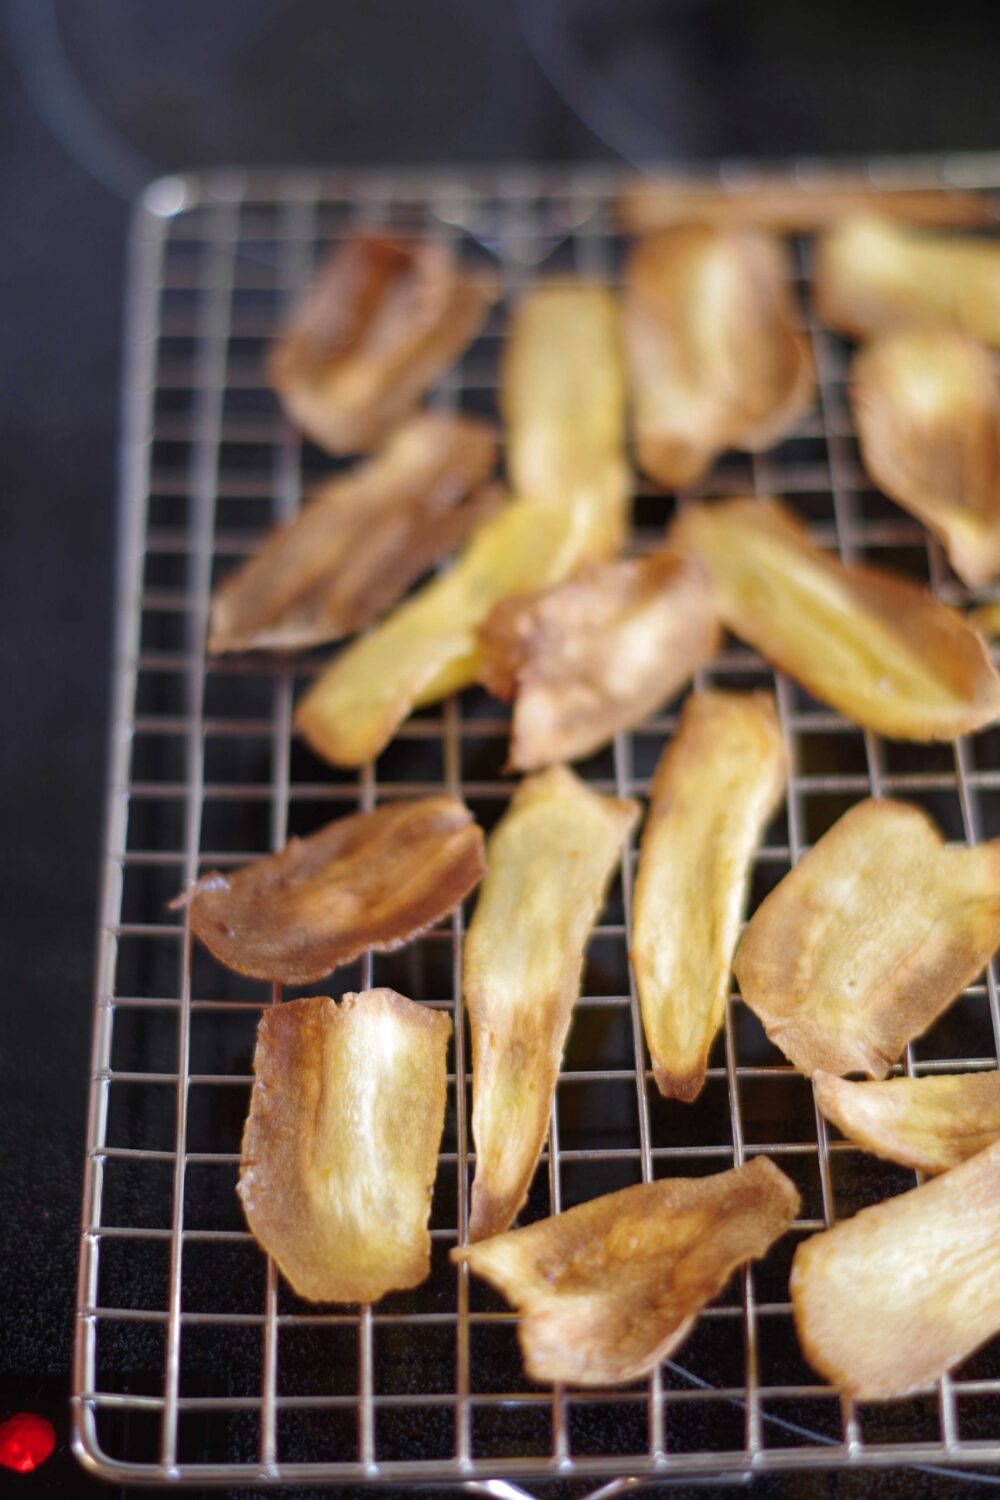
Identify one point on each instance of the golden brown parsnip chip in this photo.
(872, 275)
(383, 320)
(716, 358)
(875, 647)
(770, 202)
(549, 861)
(597, 654)
(372, 880)
(926, 405)
(929, 1124)
(564, 401)
(887, 1302)
(869, 938)
(718, 783)
(608, 1289)
(361, 540)
(341, 1144)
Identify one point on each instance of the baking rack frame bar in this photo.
(522, 216)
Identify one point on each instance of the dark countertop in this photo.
(98, 96)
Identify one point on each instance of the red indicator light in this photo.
(25, 1441)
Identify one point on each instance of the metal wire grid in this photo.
(193, 1360)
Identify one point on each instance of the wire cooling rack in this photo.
(194, 1361)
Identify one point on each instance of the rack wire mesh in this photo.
(194, 1361)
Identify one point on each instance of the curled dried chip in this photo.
(770, 201)
(887, 1302)
(872, 275)
(382, 321)
(716, 358)
(371, 880)
(869, 938)
(926, 406)
(595, 655)
(875, 647)
(608, 1289)
(929, 1124)
(718, 783)
(341, 1145)
(361, 540)
(549, 861)
(564, 400)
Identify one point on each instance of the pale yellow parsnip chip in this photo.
(595, 655)
(717, 784)
(548, 864)
(930, 1123)
(887, 1302)
(609, 1288)
(563, 398)
(874, 646)
(341, 1144)
(716, 357)
(872, 275)
(869, 938)
(926, 405)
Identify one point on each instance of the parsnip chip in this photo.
(770, 202)
(930, 1123)
(608, 1289)
(872, 275)
(361, 540)
(597, 654)
(564, 401)
(875, 647)
(986, 620)
(383, 320)
(926, 405)
(887, 1302)
(869, 938)
(341, 1145)
(372, 880)
(549, 862)
(715, 354)
(716, 787)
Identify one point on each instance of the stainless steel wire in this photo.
(204, 771)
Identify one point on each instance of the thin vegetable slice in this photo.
(718, 783)
(383, 320)
(372, 880)
(549, 862)
(564, 400)
(986, 620)
(341, 1145)
(716, 358)
(362, 539)
(930, 1123)
(771, 202)
(873, 275)
(887, 1302)
(876, 647)
(869, 938)
(926, 406)
(608, 1289)
(597, 654)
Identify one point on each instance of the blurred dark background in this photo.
(99, 95)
